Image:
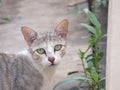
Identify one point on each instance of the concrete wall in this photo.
(113, 46)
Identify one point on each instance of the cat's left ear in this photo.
(62, 29)
(29, 35)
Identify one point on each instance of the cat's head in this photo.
(48, 48)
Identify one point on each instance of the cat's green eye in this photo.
(41, 51)
(57, 47)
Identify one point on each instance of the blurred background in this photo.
(44, 15)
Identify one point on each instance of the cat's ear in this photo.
(62, 28)
(29, 35)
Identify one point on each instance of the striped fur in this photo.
(18, 73)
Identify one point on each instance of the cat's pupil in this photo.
(41, 51)
(58, 47)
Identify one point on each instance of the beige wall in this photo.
(113, 46)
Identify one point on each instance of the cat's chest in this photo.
(54, 75)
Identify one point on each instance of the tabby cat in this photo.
(33, 68)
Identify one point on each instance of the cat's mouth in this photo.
(53, 65)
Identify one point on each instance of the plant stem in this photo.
(82, 59)
(95, 52)
(84, 68)
(83, 64)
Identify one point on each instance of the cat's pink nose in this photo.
(51, 59)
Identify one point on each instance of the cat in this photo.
(33, 68)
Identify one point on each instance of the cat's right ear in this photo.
(62, 28)
(29, 35)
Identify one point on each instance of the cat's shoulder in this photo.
(7, 54)
(22, 53)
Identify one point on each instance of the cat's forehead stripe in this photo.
(47, 37)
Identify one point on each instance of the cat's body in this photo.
(18, 73)
(33, 69)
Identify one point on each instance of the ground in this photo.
(42, 16)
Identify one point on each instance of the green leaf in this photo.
(91, 16)
(90, 28)
(101, 83)
(70, 80)
(94, 75)
(104, 2)
(92, 40)
(90, 61)
(88, 70)
(90, 64)
(99, 36)
(73, 72)
(100, 56)
(105, 35)
(81, 53)
(93, 19)
(102, 79)
(89, 57)
(4, 20)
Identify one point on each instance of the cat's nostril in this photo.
(51, 59)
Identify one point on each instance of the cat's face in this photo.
(47, 49)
